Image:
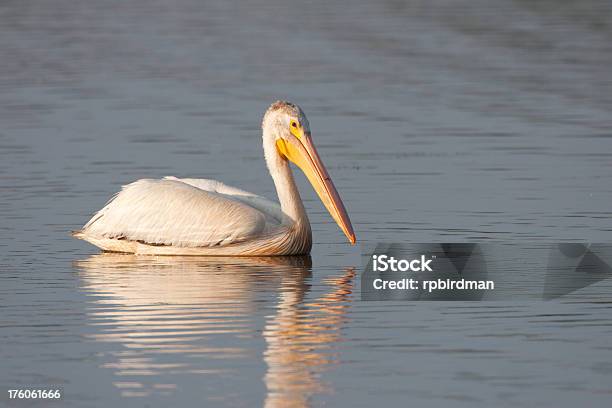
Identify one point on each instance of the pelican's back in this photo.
(170, 212)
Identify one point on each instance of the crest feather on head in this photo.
(286, 107)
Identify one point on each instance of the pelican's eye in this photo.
(295, 128)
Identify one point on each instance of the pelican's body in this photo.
(205, 217)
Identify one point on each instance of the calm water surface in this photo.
(439, 121)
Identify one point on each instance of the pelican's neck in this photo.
(288, 194)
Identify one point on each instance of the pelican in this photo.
(187, 216)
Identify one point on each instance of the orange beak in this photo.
(306, 157)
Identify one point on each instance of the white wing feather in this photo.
(173, 212)
(268, 207)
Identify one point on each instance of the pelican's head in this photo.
(286, 126)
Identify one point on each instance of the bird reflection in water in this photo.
(190, 315)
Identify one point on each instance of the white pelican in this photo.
(205, 217)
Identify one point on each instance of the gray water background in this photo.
(439, 121)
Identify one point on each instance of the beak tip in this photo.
(352, 239)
